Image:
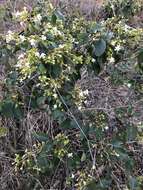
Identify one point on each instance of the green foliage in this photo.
(45, 62)
(123, 8)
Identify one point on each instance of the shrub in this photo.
(45, 62)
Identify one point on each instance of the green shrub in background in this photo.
(44, 63)
(123, 8)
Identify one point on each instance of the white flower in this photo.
(106, 127)
(92, 60)
(10, 32)
(70, 155)
(112, 6)
(113, 43)
(126, 27)
(112, 60)
(55, 95)
(43, 37)
(61, 46)
(117, 154)
(55, 106)
(72, 176)
(93, 167)
(80, 107)
(37, 54)
(118, 48)
(17, 14)
(33, 42)
(21, 56)
(22, 23)
(27, 64)
(25, 8)
(129, 85)
(43, 55)
(9, 36)
(38, 18)
(86, 92)
(22, 38)
(81, 93)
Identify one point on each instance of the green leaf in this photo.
(95, 28)
(117, 144)
(43, 162)
(129, 165)
(99, 47)
(132, 183)
(83, 157)
(131, 133)
(54, 19)
(105, 183)
(140, 59)
(122, 154)
(96, 68)
(11, 110)
(42, 137)
(7, 108)
(47, 147)
(41, 100)
(18, 114)
(42, 69)
(59, 15)
(58, 115)
(67, 124)
(3, 131)
(55, 70)
(91, 185)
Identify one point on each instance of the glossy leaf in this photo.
(99, 47)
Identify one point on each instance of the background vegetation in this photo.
(71, 95)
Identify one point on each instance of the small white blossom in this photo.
(55, 106)
(27, 64)
(17, 14)
(93, 60)
(22, 23)
(112, 60)
(72, 176)
(112, 6)
(33, 42)
(86, 92)
(21, 56)
(61, 46)
(38, 18)
(55, 95)
(37, 54)
(113, 43)
(93, 167)
(9, 36)
(81, 93)
(25, 8)
(80, 107)
(43, 37)
(127, 28)
(106, 127)
(43, 55)
(70, 155)
(118, 48)
(10, 32)
(129, 85)
(22, 38)
(117, 155)
(85, 102)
